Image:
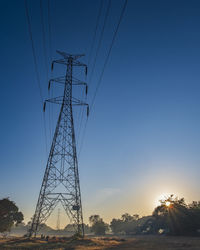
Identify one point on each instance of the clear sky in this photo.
(143, 135)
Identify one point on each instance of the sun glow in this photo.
(160, 198)
(167, 203)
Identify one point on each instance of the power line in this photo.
(83, 137)
(80, 116)
(95, 31)
(109, 52)
(50, 59)
(44, 39)
(103, 70)
(45, 56)
(33, 51)
(100, 40)
(98, 47)
(36, 68)
(49, 28)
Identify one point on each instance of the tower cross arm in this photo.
(56, 100)
(67, 55)
(78, 63)
(62, 80)
(78, 102)
(60, 61)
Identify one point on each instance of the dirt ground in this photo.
(105, 243)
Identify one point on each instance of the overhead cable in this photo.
(103, 70)
(36, 68)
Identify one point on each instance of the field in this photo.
(103, 243)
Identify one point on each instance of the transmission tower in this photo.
(61, 178)
(58, 220)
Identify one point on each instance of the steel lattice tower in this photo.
(61, 178)
(58, 220)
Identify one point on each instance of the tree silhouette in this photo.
(176, 217)
(98, 226)
(9, 215)
(127, 224)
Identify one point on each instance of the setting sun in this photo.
(167, 203)
(160, 198)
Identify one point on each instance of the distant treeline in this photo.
(172, 217)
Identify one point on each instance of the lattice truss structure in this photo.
(61, 178)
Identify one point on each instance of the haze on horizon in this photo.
(142, 139)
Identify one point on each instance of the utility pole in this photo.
(61, 178)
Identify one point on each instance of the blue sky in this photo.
(143, 135)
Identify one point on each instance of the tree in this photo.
(71, 227)
(9, 215)
(44, 228)
(98, 226)
(176, 217)
(128, 218)
(116, 226)
(127, 224)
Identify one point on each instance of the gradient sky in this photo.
(143, 135)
